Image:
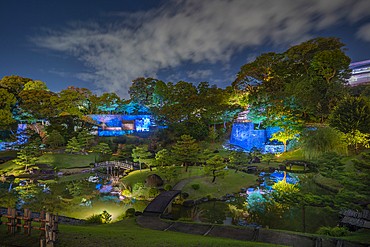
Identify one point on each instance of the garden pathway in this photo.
(182, 183)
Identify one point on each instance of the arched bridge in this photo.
(114, 163)
(162, 202)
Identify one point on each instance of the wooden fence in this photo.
(49, 225)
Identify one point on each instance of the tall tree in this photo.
(142, 90)
(141, 155)
(237, 159)
(38, 85)
(6, 101)
(215, 167)
(186, 151)
(352, 117)
(37, 104)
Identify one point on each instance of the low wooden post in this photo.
(29, 222)
(18, 222)
(9, 219)
(13, 221)
(25, 215)
(55, 228)
(42, 217)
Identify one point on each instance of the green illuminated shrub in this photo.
(168, 187)
(153, 192)
(130, 212)
(335, 231)
(94, 219)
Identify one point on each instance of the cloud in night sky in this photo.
(143, 43)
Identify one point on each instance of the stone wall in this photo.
(245, 136)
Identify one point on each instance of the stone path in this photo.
(182, 183)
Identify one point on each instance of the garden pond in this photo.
(92, 195)
(78, 199)
(248, 209)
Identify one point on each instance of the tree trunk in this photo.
(214, 178)
(186, 167)
(285, 147)
(140, 165)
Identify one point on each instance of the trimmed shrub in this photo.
(335, 231)
(153, 192)
(106, 217)
(168, 187)
(209, 196)
(126, 193)
(94, 219)
(195, 186)
(130, 212)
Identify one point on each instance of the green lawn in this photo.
(291, 155)
(233, 182)
(67, 160)
(123, 233)
(136, 176)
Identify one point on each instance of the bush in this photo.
(335, 231)
(195, 186)
(130, 212)
(126, 193)
(168, 187)
(94, 219)
(153, 192)
(209, 196)
(106, 217)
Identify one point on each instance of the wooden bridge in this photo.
(161, 203)
(114, 163)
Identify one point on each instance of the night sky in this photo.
(104, 45)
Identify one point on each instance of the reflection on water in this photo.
(274, 216)
(78, 199)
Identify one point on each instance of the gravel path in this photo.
(182, 183)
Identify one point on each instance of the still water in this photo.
(235, 210)
(78, 199)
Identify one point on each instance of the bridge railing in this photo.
(114, 163)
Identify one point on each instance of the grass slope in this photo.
(136, 176)
(230, 184)
(123, 233)
(67, 161)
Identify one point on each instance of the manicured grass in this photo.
(73, 177)
(8, 153)
(233, 182)
(123, 233)
(9, 165)
(139, 177)
(291, 155)
(361, 236)
(66, 160)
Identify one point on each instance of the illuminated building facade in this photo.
(360, 73)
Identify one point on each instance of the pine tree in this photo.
(186, 151)
(55, 139)
(73, 145)
(215, 167)
(85, 139)
(103, 148)
(141, 155)
(237, 159)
